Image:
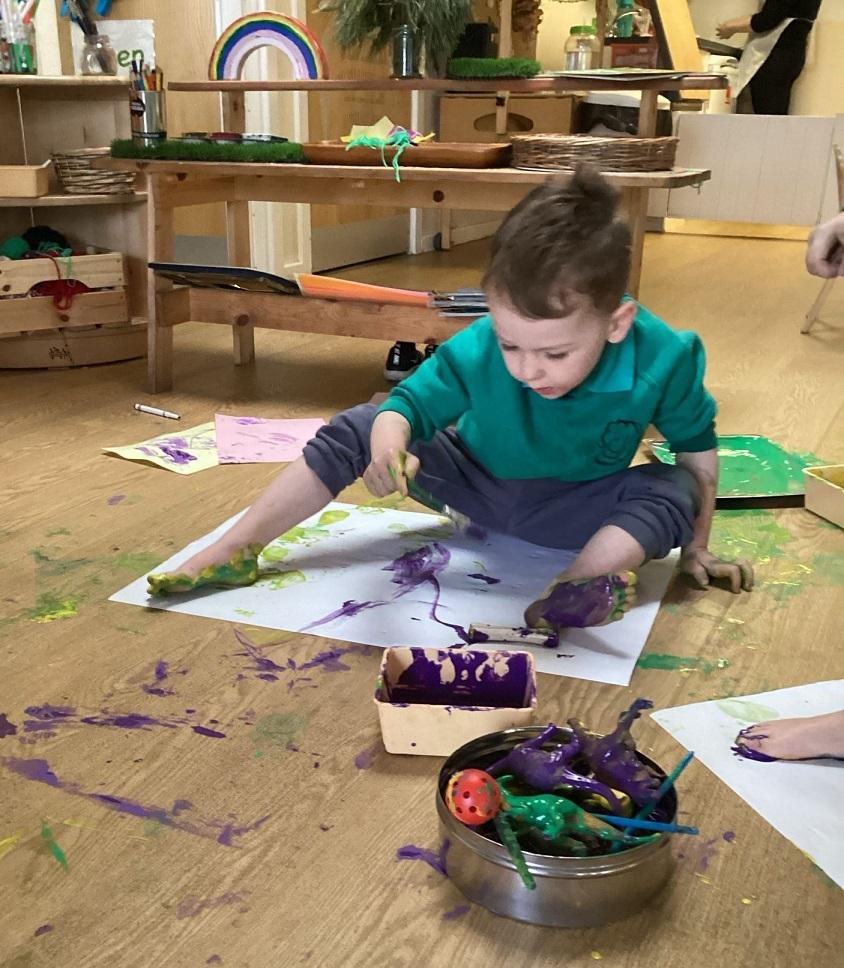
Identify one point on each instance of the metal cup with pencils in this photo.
(147, 105)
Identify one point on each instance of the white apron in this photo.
(756, 53)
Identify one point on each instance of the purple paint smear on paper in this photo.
(346, 610)
(748, 752)
(191, 905)
(115, 499)
(155, 688)
(434, 859)
(6, 728)
(43, 929)
(223, 831)
(489, 581)
(456, 912)
(174, 452)
(581, 604)
(366, 757)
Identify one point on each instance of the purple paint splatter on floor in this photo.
(115, 499)
(214, 960)
(155, 688)
(366, 757)
(488, 580)
(223, 831)
(43, 929)
(456, 912)
(435, 859)
(191, 905)
(330, 660)
(265, 668)
(47, 720)
(6, 728)
(325, 827)
(206, 731)
(729, 836)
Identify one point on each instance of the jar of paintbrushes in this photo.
(98, 56)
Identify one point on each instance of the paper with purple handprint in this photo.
(253, 440)
(184, 452)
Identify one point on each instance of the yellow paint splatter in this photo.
(8, 844)
(596, 955)
(749, 900)
(704, 878)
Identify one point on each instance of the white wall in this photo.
(557, 18)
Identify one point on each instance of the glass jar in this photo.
(582, 48)
(98, 56)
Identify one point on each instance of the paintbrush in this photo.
(461, 521)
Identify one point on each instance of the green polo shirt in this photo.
(654, 376)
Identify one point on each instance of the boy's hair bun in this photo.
(564, 237)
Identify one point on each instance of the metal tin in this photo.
(571, 892)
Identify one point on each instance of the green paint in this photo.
(672, 608)
(245, 612)
(754, 534)
(55, 567)
(747, 711)
(753, 466)
(304, 535)
(131, 631)
(140, 561)
(50, 608)
(52, 534)
(331, 517)
(273, 733)
(153, 829)
(680, 663)
(286, 578)
(829, 568)
(822, 875)
(274, 552)
(240, 569)
(53, 846)
(398, 527)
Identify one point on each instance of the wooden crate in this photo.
(58, 348)
(105, 270)
(25, 181)
(30, 314)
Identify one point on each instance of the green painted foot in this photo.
(583, 602)
(241, 569)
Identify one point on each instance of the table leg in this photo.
(160, 249)
(647, 114)
(635, 202)
(238, 232)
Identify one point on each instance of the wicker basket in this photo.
(564, 151)
(77, 177)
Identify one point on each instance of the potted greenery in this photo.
(408, 25)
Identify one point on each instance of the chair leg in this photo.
(817, 306)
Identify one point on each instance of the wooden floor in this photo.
(318, 883)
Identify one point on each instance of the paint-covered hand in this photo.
(825, 253)
(703, 566)
(390, 471)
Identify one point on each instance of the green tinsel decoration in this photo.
(481, 68)
(288, 152)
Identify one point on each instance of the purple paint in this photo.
(477, 681)
(418, 567)
(191, 905)
(249, 421)
(129, 721)
(748, 752)
(206, 731)
(155, 688)
(175, 453)
(366, 757)
(325, 827)
(489, 581)
(222, 831)
(214, 960)
(115, 499)
(43, 929)
(434, 859)
(265, 667)
(456, 912)
(729, 836)
(581, 604)
(6, 728)
(347, 610)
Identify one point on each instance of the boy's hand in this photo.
(390, 471)
(703, 566)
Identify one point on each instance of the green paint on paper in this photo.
(829, 568)
(52, 534)
(680, 663)
(50, 608)
(286, 578)
(822, 875)
(241, 569)
(747, 711)
(274, 733)
(753, 466)
(245, 612)
(140, 561)
(51, 843)
(331, 517)
(274, 552)
(398, 527)
(303, 535)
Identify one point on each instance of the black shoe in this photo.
(402, 360)
(430, 349)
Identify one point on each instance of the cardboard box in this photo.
(25, 181)
(472, 117)
(634, 54)
(431, 701)
(825, 492)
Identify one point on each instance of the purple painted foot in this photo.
(584, 602)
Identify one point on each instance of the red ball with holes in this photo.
(473, 797)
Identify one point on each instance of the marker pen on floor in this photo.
(143, 408)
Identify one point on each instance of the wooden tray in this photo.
(427, 155)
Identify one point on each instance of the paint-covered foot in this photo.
(239, 569)
(803, 738)
(583, 602)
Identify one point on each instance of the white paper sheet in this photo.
(801, 800)
(341, 554)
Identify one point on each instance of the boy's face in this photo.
(553, 356)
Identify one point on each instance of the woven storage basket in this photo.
(561, 151)
(77, 177)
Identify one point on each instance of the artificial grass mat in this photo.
(480, 68)
(289, 152)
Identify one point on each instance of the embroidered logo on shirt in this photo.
(618, 441)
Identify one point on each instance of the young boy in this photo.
(527, 421)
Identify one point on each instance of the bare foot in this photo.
(802, 738)
(215, 565)
(583, 602)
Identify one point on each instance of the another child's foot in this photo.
(208, 567)
(583, 602)
(803, 738)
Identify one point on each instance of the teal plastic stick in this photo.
(631, 822)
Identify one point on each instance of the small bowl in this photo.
(571, 892)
